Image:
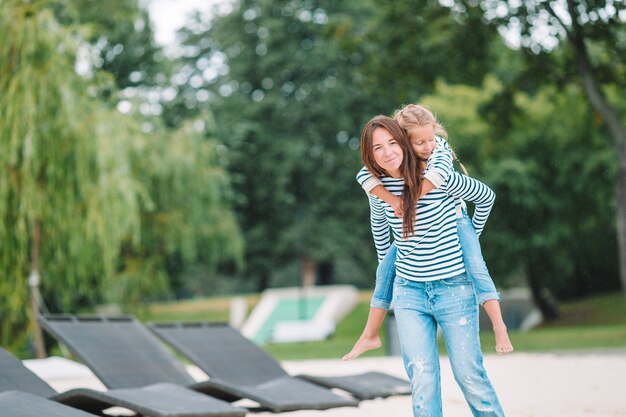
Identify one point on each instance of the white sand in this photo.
(581, 384)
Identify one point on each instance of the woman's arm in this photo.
(470, 189)
(380, 227)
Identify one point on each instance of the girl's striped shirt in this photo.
(433, 251)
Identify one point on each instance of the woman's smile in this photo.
(387, 152)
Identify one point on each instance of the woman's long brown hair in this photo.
(410, 167)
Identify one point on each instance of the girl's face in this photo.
(423, 140)
(387, 152)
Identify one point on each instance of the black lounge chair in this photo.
(224, 353)
(124, 353)
(23, 404)
(158, 400)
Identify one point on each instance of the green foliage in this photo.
(554, 183)
(188, 220)
(120, 39)
(285, 98)
(291, 83)
(106, 207)
(411, 44)
(271, 98)
(67, 177)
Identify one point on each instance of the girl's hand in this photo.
(396, 205)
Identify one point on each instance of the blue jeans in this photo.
(475, 267)
(385, 275)
(450, 303)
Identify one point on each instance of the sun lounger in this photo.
(123, 353)
(224, 353)
(23, 404)
(158, 400)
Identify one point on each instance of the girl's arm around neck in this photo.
(439, 164)
(396, 202)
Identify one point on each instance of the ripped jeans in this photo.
(450, 303)
(472, 259)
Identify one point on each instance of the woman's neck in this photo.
(395, 174)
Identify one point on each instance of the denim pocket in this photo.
(400, 282)
(456, 280)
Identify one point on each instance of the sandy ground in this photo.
(580, 384)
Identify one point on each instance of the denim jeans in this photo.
(450, 303)
(385, 275)
(472, 258)
(474, 263)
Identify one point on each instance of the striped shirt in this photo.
(438, 168)
(433, 251)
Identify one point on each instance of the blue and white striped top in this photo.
(438, 168)
(433, 251)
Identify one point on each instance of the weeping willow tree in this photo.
(189, 230)
(67, 194)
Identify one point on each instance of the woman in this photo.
(428, 139)
(431, 286)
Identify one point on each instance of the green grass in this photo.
(563, 338)
(201, 309)
(597, 322)
(596, 310)
(346, 333)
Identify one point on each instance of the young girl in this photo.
(428, 141)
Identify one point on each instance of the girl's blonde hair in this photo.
(416, 115)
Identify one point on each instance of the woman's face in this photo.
(387, 152)
(423, 140)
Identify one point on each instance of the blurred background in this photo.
(162, 157)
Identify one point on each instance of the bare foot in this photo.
(503, 343)
(363, 345)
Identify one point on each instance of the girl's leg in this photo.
(486, 292)
(370, 338)
(456, 312)
(417, 331)
(381, 300)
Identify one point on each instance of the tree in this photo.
(186, 220)
(411, 44)
(102, 206)
(552, 181)
(288, 106)
(118, 38)
(187, 223)
(596, 35)
(67, 199)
